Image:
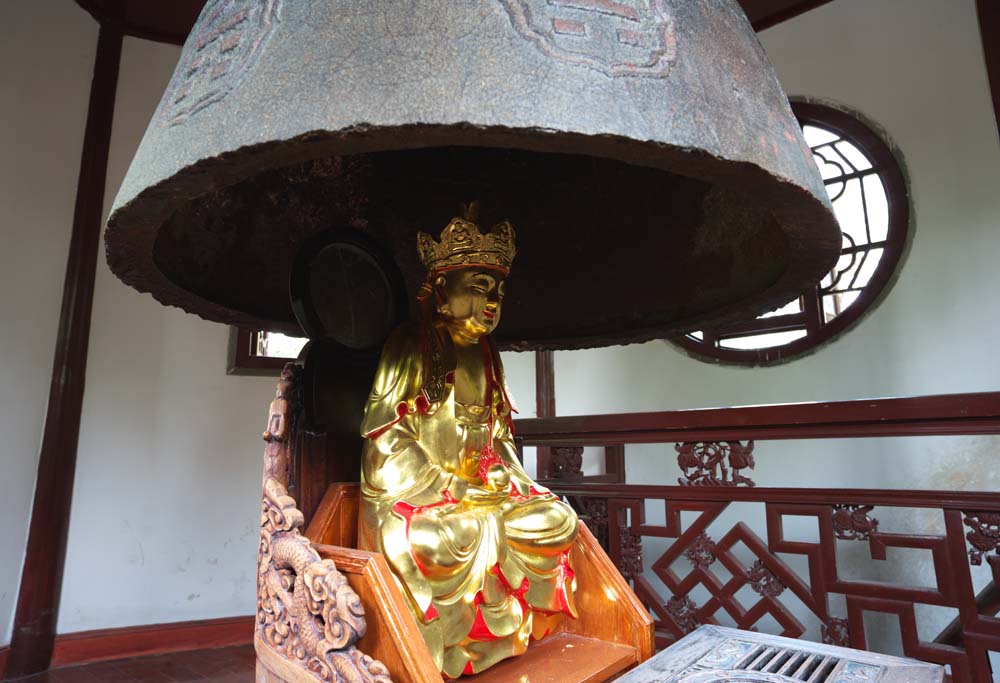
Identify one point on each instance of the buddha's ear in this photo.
(439, 282)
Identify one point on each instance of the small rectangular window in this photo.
(259, 352)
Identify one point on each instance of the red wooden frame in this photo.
(981, 501)
(948, 414)
(699, 579)
(545, 400)
(617, 515)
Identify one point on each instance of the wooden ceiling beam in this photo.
(765, 14)
(159, 22)
(97, 9)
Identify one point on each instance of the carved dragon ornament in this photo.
(308, 617)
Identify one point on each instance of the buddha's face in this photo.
(469, 300)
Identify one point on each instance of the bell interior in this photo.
(603, 245)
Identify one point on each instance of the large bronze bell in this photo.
(643, 150)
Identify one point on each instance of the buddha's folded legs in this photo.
(541, 525)
(539, 533)
(497, 575)
(445, 540)
(521, 540)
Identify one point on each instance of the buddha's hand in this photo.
(497, 478)
(494, 491)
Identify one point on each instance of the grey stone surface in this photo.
(716, 654)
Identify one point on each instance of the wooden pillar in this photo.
(545, 402)
(989, 29)
(41, 578)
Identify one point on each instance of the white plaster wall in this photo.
(46, 62)
(519, 368)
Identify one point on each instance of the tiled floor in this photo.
(223, 665)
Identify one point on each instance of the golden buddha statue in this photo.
(480, 550)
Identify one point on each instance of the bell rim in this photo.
(134, 223)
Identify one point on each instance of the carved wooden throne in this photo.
(329, 612)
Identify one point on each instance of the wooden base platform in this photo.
(562, 658)
(612, 634)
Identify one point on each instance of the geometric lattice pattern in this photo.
(971, 537)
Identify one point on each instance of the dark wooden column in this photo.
(989, 29)
(545, 402)
(41, 578)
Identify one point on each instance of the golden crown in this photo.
(462, 244)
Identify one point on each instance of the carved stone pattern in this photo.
(701, 552)
(856, 672)
(619, 40)
(218, 57)
(704, 463)
(630, 560)
(853, 523)
(306, 611)
(566, 462)
(725, 656)
(836, 632)
(984, 536)
(722, 655)
(764, 582)
(682, 610)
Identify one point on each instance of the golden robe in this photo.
(483, 572)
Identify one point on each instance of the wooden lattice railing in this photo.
(738, 576)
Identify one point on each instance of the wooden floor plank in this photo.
(561, 658)
(220, 665)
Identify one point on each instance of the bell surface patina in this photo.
(643, 149)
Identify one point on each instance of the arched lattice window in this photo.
(868, 189)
